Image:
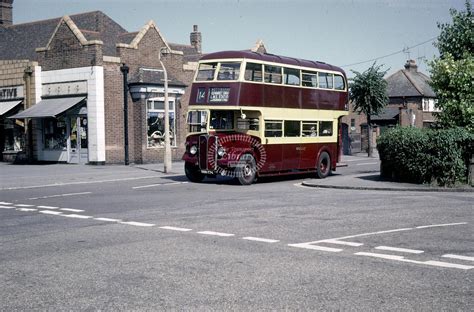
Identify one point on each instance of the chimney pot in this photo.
(6, 12)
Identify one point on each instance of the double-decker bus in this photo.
(253, 114)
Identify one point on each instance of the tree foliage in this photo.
(368, 91)
(452, 74)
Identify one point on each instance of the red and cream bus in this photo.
(253, 114)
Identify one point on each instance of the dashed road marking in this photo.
(24, 205)
(76, 216)
(71, 210)
(216, 233)
(108, 219)
(172, 228)
(47, 207)
(339, 242)
(137, 223)
(26, 209)
(5, 203)
(258, 239)
(413, 251)
(7, 207)
(315, 247)
(60, 195)
(158, 184)
(458, 257)
(56, 213)
(402, 259)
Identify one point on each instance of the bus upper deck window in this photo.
(206, 71)
(291, 76)
(229, 71)
(310, 79)
(273, 74)
(253, 72)
(325, 80)
(339, 82)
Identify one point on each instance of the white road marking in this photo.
(26, 209)
(439, 225)
(108, 219)
(60, 195)
(51, 212)
(338, 242)
(5, 203)
(458, 257)
(47, 207)
(23, 205)
(71, 210)
(402, 259)
(172, 228)
(258, 239)
(6, 207)
(315, 247)
(216, 233)
(137, 223)
(413, 251)
(76, 216)
(159, 184)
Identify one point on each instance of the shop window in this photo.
(14, 138)
(156, 123)
(55, 133)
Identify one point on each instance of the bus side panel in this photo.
(273, 160)
(328, 100)
(291, 97)
(310, 153)
(274, 96)
(291, 156)
(309, 99)
(251, 94)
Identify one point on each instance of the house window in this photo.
(156, 123)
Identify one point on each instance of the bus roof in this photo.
(266, 57)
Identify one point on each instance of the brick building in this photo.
(62, 81)
(411, 103)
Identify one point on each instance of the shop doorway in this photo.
(78, 140)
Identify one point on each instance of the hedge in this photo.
(415, 155)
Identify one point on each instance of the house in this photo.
(411, 103)
(62, 85)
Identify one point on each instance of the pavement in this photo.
(29, 176)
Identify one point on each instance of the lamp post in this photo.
(124, 69)
(167, 158)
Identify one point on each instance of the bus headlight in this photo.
(193, 150)
(220, 151)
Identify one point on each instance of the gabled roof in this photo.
(409, 82)
(153, 77)
(19, 41)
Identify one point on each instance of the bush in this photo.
(425, 156)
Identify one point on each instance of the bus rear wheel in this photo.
(323, 168)
(246, 170)
(193, 173)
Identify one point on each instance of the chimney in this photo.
(195, 39)
(6, 15)
(411, 66)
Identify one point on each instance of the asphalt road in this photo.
(117, 238)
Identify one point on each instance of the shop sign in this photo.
(11, 93)
(65, 88)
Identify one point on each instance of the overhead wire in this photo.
(391, 54)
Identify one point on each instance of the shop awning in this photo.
(5, 107)
(49, 108)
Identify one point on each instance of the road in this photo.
(133, 239)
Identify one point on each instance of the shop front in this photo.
(61, 129)
(12, 133)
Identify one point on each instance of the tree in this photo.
(368, 92)
(452, 74)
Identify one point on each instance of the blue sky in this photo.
(339, 32)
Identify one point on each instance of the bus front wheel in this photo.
(193, 173)
(247, 170)
(323, 166)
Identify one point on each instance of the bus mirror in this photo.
(242, 115)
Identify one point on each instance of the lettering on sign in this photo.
(11, 93)
(65, 88)
(219, 95)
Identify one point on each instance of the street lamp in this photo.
(167, 158)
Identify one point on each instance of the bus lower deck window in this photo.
(273, 128)
(325, 128)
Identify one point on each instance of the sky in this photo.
(347, 33)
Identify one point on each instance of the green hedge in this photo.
(425, 156)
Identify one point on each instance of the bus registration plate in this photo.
(219, 95)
